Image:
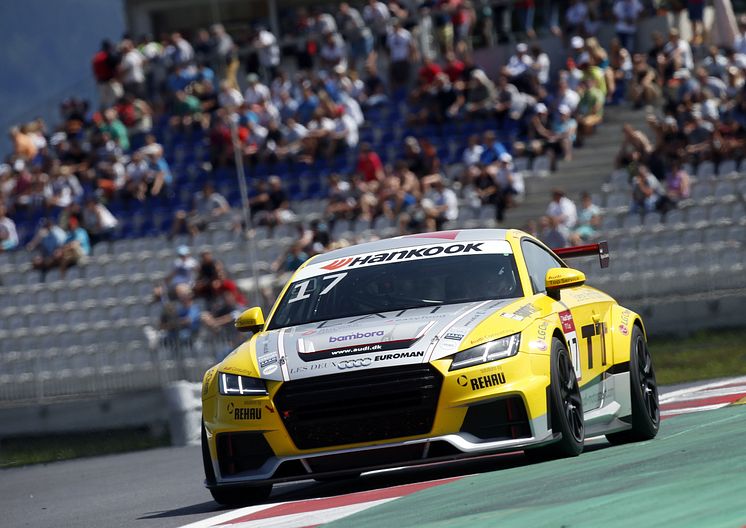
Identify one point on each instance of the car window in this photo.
(538, 261)
(398, 286)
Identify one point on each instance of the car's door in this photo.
(584, 318)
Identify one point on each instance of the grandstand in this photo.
(91, 331)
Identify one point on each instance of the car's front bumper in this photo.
(484, 409)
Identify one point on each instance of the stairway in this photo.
(588, 171)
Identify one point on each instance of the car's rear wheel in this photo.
(235, 496)
(644, 394)
(565, 408)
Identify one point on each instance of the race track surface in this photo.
(693, 474)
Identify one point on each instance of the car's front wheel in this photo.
(565, 408)
(643, 392)
(235, 496)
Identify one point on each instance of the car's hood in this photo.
(377, 340)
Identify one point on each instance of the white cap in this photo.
(564, 109)
(540, 108)
(505, 157)
(577, 42)
(521, 47)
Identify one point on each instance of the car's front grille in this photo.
(363, 406)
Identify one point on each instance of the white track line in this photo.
(689, 410)
(225, 517)
(673, 396)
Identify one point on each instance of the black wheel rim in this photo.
(571, 404)
(648, 385)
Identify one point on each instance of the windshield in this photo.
(398, 286)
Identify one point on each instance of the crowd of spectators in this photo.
(197, 296)
(260, 99)
(697, 114)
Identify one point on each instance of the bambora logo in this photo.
(337, 263)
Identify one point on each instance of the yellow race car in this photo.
(424, 348)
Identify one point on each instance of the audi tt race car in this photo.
(424, 348)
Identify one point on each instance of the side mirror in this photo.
(558, 278)
(252, 320)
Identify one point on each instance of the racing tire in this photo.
(646, 417)
(234, 496)
(565, 408)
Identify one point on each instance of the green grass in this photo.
(704, 355)
(36, 450)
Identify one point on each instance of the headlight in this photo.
(486, 352)
(235, 385)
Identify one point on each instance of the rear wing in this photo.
(601, 249)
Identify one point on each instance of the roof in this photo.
(421, 239)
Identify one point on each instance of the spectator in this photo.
(293, 258)
(49, 239)
(562, 213)
(356, 33)
(590, 108)
(677, 188)
(132, 69)
(626, 13)
(369, 164)
(23, 144)
(76, 247)
(589, 221)
(635, 147)
(377, 16)
(270, 206)
(98, 221)
(8, 234)
(646, 191)
(402, 52)
(644, 88)
(208, 207)
(439, 203)
(105, 63)
(576, 18)
(266, 44)
(184, 269)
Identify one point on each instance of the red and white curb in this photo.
(703, 397)
(312, 513)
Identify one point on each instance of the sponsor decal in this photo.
(455, 336)
(244, 413)
(623, 329)
(208, 379)
(568, 328)
(270, 369)
(356, 335)
(482, 382)
(521, 313)
(266, 360)
(357, 349)
(312, 367)
(247, 413)
(353, 363)
(400, 355)
(568, 325)
(542, 330)
(538, 344)
(404, 254)
(270, 409)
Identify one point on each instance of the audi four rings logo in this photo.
(353, 363)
